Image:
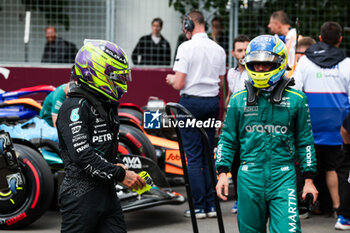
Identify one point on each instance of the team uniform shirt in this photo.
(327, 90)
(235, 79)
(203, 60)
(53, 103)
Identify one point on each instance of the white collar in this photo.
(200, 35)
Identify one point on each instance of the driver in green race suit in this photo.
(269, 124)
(53, 103)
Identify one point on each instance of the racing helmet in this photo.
(103, 67)
(266, 49)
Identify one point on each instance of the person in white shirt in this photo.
(235, 80)
(279, 24)
(200, 68)
(237, 75)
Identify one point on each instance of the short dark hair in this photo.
(240, 38)
(331, 32)
(159, 20)
(196, 16)
(216, 18)
(306, 42)
(281, 16)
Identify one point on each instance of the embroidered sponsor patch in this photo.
(76, 129)
(94, 111)
(74, 116)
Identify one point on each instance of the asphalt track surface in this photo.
(169, 219)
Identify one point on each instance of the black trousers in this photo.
(97, 211)
(344, 186)
(328, 159)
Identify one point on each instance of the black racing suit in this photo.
(88, 140)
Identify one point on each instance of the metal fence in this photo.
(23, 22)
(254, 16)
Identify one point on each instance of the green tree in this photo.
(254, 15)
(54, 10)
(185, 5)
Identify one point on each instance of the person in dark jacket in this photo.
(88, 127)
(324, 75)
(152, 49)
(56, 49)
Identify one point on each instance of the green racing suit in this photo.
(270, 137)
(53, 103)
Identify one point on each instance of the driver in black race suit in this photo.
(88, 129)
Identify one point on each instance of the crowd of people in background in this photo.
(322, 75)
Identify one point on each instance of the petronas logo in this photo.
(318, 75)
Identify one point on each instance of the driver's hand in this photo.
(309, 187)
(122, 165)
(222, 186)
(133, 180)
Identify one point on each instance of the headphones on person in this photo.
(188, 23)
